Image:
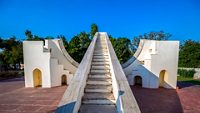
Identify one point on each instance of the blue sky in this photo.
(126, 18)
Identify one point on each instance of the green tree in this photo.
(161, 35)
(49, 37)
(1, 42)
(12, 52)
(31, 37)
(94, 29)
(122, 47)
(189, 54)
(78, 46)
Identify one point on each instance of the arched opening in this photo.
(163, 78)
(64, 80)
(37, 78)
(138, 80)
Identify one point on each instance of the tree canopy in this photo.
(94, 29)
(122, 47)
(189, 54)
(78, 46)
(160, 35)
(31, 37)
(11, 49)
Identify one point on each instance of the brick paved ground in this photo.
(186, 99)
(15, 98)
(190, 98)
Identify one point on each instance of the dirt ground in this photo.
(186, 99)
(15, 98)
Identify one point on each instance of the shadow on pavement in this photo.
(157, 100)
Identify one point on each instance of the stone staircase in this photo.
(98, 96)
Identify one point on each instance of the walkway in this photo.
(184, 100)
(15, 98)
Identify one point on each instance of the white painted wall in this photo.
(156, 56)
(50, 59)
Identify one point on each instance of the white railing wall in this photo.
(125, 100)
(71, 99)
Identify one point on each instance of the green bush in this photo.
(186, 73)
(21, 73)
(10, 74)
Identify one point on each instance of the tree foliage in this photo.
(78, 46)
(11, 51)
(31, 37)
(189, 54)
(161, 35)
(94, 29)
(79, 43)
(122, 47)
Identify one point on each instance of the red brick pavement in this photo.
(184, 100)
(15, 98)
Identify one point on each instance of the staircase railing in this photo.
(126, 102)
(71, 100)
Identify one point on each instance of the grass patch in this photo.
(188, 80)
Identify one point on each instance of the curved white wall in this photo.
(50, 59)
(154, 57)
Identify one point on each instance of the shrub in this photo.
(186, 73)
(10, 74)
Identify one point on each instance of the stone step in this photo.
(94, 82)
(85, 108)
(100, 50)
(101, 57)
(100, 42)
(108, 87)
(99, 76)
(100, 47)
(100, 79)
(100, 63)
(94, 96)
(99, 102)
(101, 38)
(100, 67)
(95, 71)
(100, 54)
(98, 90)
(100, 60)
